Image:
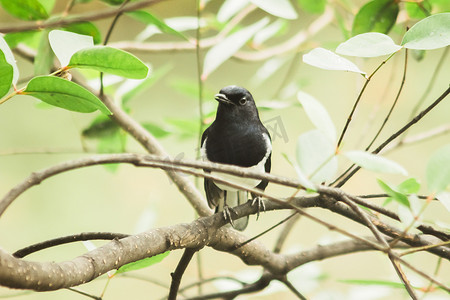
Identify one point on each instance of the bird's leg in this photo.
(260, 203)
(228, 210)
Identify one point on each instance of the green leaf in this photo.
(409, 186)
(65, 94)
(418, 10)
(102, 126)
(430, 33)
(317, 114)
(9, 57)
(279, 8)
(370, 44)
(25, 9)
(391, 284)
(109, 60)
(132, 87)
(64, 44)
(438, 170)
(375, 163)
(43, 61)
(48, 5)
(113, 2)
(110, 137)
(325, 59)
(147, 18)
(156, 130)
(418, 55)
(143, 263)
(186, 128)
(376, 15)
(189, 88)
(114, 143)
(28, 38)
(342, 23)
(313, 6)
(219, 53)
(6, 75)
(394, 194)
(85, 28)
(316, 156)
(440, 6)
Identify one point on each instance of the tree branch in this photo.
(275, 203)
(91, 16)
(398, 133)
(85, 236)
(289, 45)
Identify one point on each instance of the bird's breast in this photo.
(245, 149)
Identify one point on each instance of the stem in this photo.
(199, 76)
(10, 96)
(429, 87)
(399, 132)
(201, 117)
(349, 119)
(108, 36)
(393, 104)
(179, 271)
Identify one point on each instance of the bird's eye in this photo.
(243, 101)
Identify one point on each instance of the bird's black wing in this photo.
(213, 193)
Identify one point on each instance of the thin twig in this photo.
(430, 85)
(436, 270)
(423, 248)
(292, 288)
(293, 219)
(392, 256)
(349, 118)
(393, 104)
(179, 271)
(399, 132)
(237, 246)
(84, 293)
(420, 137)
(108, 36)
(85, 236)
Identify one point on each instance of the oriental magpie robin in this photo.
(236, 137)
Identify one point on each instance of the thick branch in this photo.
(276, 203)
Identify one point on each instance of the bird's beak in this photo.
(222, 99)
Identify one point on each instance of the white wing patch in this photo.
(203, 155)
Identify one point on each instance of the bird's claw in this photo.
(260, 203)
(227, 214)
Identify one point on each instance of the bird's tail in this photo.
(235, 198)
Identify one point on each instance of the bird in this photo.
(236, 137)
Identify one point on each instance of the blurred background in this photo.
(126, 199)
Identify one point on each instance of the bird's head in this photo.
(233, 95)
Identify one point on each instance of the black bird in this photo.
(236, 137)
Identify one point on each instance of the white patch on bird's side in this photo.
(248, 182)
